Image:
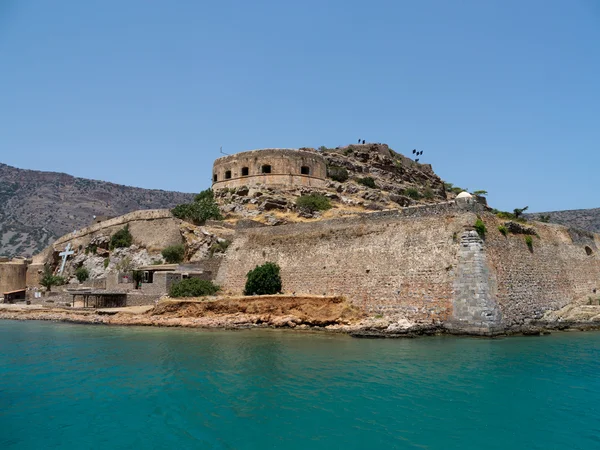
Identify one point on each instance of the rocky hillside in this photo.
(585, 219)
(364, 177)
(38, 207)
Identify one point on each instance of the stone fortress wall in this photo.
(274, 167)
(428, 266)
(12, 275)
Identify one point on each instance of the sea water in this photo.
(98, 387)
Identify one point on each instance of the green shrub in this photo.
(203, 208)
(193, 287)
(219, 247)
(336, 173)
(544, 218)
(82, 274)
(481, 193)
(174, 254)
(313, 202)
(106, 262)
(121, 238)
(263, 280)
(529, 242)
(428, 194)
(49, 279)
(480, 228)
(502, 229)
(368, 182)
(518, 212)
(413, 193)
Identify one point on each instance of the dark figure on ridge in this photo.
(363, 141)
(417, 160)
(359, 141)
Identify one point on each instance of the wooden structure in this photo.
(101, 299)
(10, 297)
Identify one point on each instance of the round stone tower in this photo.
(271, 167)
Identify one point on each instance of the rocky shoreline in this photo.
(195, 315)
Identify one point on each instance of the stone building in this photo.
(12, 275)
(273, 167)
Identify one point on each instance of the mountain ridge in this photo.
(36, 207)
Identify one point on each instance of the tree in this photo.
(193, 287)
(82, 274)
(203, 208)
(518, 212)
(263, 280)
(49, 279)
(313, 202)
(121, 238)
(481, 192)
(174, 254)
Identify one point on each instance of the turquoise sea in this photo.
(96, 387)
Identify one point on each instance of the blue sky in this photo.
(500, 95)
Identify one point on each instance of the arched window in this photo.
(214, 177)
(227, 174)
(245, 171)
(305, 170)
(266, 168)
(588, 250)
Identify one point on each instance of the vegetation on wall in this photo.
(121, 238)
(173, 254)
(503, 230)
(263, 280)
(82, 274)
(203, 208)
(529, 242)
(313, 202)
(480, 228)
(193, 287)
(219, 247)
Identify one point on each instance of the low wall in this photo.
(12, 276)
(153, 229)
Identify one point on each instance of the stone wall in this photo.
(387, 264)
(555, 272)
(286, 169)
(427, 265)
(153, 229)
(12, 276)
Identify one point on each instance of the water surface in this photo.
(77, 386)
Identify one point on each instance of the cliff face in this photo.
(37, 207)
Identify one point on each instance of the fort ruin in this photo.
(270, 167)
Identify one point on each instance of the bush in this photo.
(480, 228)
(368, 182)
(193, 287)
(336, 173)
(106, 262)
(219, 247)
(82, 274)
(121, 238)
(173, 254)
(502, 229)
(203, 208)
(529, 242)
(412, 193)
(428, 194)
(49, 279)
(313, 202)
(481, 192)
(263, 280)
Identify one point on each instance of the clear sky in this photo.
(500, 95)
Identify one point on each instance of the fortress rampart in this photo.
(429, 266)
(275, 167)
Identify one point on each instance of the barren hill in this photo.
(586, 219)
(37, 207)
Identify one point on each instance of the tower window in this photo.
(214, 177)
(305, 170)
(245, 171)
(266, 168)
(227, 174)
